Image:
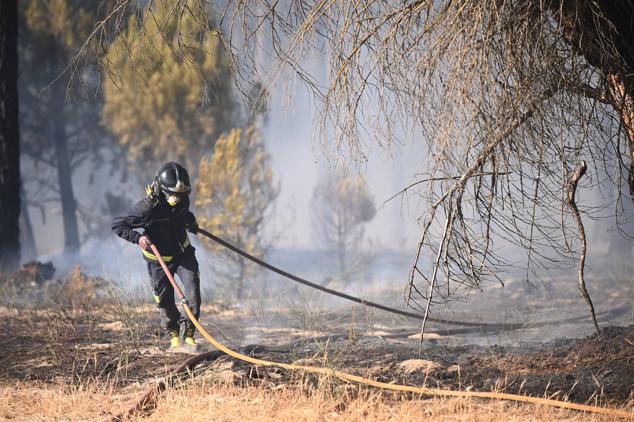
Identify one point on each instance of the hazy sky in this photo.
(298, 160)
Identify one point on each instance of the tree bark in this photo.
(9, 138)
(622, 99)
(64, 173)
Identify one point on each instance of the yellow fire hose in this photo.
(393, 387)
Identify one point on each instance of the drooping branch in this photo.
(571, 190)
(452, 199)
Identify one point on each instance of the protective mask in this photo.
(172, 200)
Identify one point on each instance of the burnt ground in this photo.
(83, 333)
(49, 345)
(579, 370)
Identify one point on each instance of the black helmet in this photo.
(173, 180)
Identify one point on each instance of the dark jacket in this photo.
(165, 225)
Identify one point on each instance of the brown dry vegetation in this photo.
(86, 356)
(203, 401)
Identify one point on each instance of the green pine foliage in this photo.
(235, 192)
(168, 90)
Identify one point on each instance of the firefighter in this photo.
(164, 219)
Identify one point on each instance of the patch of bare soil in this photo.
(582, 368)
(597, 367)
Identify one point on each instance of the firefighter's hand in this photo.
(192, 226)
(145, 242)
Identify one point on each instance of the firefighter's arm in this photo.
(191, 225)
(134, 218)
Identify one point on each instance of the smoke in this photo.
(110, 258)
(298, 161)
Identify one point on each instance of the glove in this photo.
(145, 242)
(192, 226)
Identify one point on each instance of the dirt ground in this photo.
(80, 336)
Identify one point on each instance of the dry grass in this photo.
(332, 401)
(203, 400)
(57, 401)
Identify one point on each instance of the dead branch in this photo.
(571, 189)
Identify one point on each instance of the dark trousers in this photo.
(186, 267)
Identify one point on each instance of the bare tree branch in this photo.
(571, 191)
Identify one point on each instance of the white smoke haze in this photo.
(298, 161)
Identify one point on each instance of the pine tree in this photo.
(168, 88)
(59, 110)
(235, 192)
(341, 205)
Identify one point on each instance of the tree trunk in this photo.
(622, 100)
(27, 238)
(603, 33)
(9, 138)
(64, 173)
